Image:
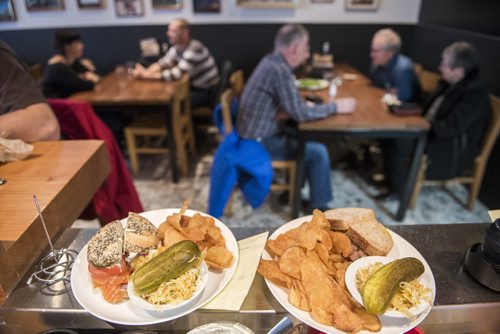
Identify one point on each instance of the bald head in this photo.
(385, 44)
(178, 32)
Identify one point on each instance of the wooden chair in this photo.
(203, 114)
(287, 166)
(237, 82)
(476, 177)
(155, 127)
(419, 68)
(429, 80)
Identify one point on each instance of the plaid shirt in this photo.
(271, 88)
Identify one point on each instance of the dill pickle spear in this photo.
(382, 285)
(170, 264)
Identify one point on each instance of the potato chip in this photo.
(219, 257)
(171, 236)
(270, 270)
(289, 259)
(298, 297)
(341, 244)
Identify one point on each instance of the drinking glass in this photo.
(121, 76)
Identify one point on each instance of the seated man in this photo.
(392, 70)
(189, 56)
(270, 98)
(395, 73)
(24, 112)
(458, 111)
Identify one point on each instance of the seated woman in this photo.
(66, 72)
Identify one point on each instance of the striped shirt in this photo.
(271, 88)
(195, 60)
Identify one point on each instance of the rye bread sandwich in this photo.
(105, 248)
(362, 227)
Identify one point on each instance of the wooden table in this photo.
(64, 175)
(122, 94)
(370, 119)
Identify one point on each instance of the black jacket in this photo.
(458, 128)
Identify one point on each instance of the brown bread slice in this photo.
(341, 218)
(371, 236)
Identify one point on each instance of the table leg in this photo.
(172, 149)
(412, 175)
(299, 174)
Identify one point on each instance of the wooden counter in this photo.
(64, 175)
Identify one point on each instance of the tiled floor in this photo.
(435, 205)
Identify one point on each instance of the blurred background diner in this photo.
(396, 53)
(254, 111)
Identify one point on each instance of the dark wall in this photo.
(480, 16)
(478, 22)
(243, 44)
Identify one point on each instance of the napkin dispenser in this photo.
(482, 261)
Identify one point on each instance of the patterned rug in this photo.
(435, 205)
(157, 191)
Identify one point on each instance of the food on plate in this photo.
(114, 253)
(107, 267)
(311, 83)
(362, 228)
(310, 262)
(140, 234)
(392, 286)
(200, 229)
(167, 265)
(170, 277)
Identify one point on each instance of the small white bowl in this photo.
(350, 281)
(140, 302)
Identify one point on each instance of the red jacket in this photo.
(117, 195)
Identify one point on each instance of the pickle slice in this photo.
(381, 287)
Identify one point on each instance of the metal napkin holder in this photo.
(55, 266)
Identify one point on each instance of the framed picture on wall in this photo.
(37, 5)
(167, 4)
(83, 4)
(125, 8)
(362, 4)
(7, 12)
(322, 1)
(267, 3)
(206, 6)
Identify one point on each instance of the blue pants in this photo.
(317, 165)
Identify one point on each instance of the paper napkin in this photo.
(232, 296)
(494, 214)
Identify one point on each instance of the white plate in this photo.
(320, 84)
(350, 281)
(170, 308)
(390, 325)
(126, 313)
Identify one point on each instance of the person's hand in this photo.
(88, 64)
(281, 116)
(139, 71)
(91, 76)
(345, 105)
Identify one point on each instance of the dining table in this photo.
(64, 175)
(371, 118)
(122, 93)
(461, 305)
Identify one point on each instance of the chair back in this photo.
(182, 123)
(429, 81)
(493, 130)
(225, 101)
(418, 69)
(236, 82)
